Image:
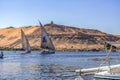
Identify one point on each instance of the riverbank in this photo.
(64, 38)
(36, 49)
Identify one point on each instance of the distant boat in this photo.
(1, 54)
(46, 42)
(107, 74)
(25, 42)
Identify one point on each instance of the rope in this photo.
(107, 59)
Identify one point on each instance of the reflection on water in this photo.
(58, 66)
(36, 71)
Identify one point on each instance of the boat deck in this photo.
(115, 70)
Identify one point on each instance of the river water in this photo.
(58, 66)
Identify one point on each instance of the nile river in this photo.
(58, 66)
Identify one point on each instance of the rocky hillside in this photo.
(63, 37)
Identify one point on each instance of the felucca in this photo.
(46, 42)
(25, 42)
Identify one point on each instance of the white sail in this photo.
(46, 42)
(25, 43)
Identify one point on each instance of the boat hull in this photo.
(101, 77)
(1, 55)
(26, 52)
(106, 76)
(47, 52)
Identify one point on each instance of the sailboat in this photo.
(1, 54)
(25, 42)
(46, 42)
(107, 74)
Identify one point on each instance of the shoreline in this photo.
(34, 49)
(37, 49)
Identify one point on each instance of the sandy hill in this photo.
(63, 37)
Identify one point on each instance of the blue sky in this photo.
(103, 15)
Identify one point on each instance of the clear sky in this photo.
(103, 15)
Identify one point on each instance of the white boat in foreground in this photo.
(102, 72)
(107, 75)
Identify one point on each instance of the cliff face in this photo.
(63, 37)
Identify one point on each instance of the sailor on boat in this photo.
(1, 55)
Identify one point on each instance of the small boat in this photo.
(1, 54)
(46, 42)
(25, 43)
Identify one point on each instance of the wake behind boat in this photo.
(25, 42)
(46, 42)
